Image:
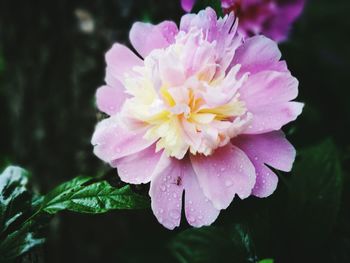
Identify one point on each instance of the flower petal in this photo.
(110, 100)
(187, 5)
(199, 210)
(112, 141)
(256, 54)
(146, 37)
(225, 173)
(120, 60)
(268, 87)
(138, 167)
(166, 191)
(273, 117)
(272, 149)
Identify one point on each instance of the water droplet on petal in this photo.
(162, 187)
(228, 183)
(174, 214)
(191, 219)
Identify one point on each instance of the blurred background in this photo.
(52, 61)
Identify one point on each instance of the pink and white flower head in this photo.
(199, 116)
(271, 18)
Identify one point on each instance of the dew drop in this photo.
(174, 214)
(191, 219)
(162, 187)
(228, 183)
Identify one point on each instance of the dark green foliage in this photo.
(22, 215)
(315, 190)
(214, 244)
(17, 235)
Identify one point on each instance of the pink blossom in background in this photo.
(272, 18)
(199, 116)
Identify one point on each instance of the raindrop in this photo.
(163, 188)
(228, 183)
(191, 219)
(174, 214)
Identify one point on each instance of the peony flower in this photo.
(199, 117)
(271, 18)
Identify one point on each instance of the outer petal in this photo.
(256, 54)
(199, 210)
(269, 148)
(110, 100)
(225, 173)
(138, 167)
(145, 37)
(112, 141)
(166, 191)
(120, 60)
(268, 87)
(187, 5)
(273, 117)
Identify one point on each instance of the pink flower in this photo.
(271, 18)
(201, 113)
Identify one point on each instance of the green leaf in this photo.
(213, 244)
(19, 242)
(17, 235)
(202, 4)
(85, 196)
(266, 261)
(13, 186)
(315, 190)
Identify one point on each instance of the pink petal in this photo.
(273, 117)
(272, 149)
(166, 191)
(138, 167)
(187, 5)
(146, 37)
(110, 100)
(120, 60)
(266, 181)
(268, 87)
(225, 173)
(112, 141)
(199, 209)
(256, 54)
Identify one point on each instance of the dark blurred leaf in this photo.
(2, 62)
(315, 190)
(19, 242)
(202, 4)
(15, 200)
(214, 244)
(97, 197)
